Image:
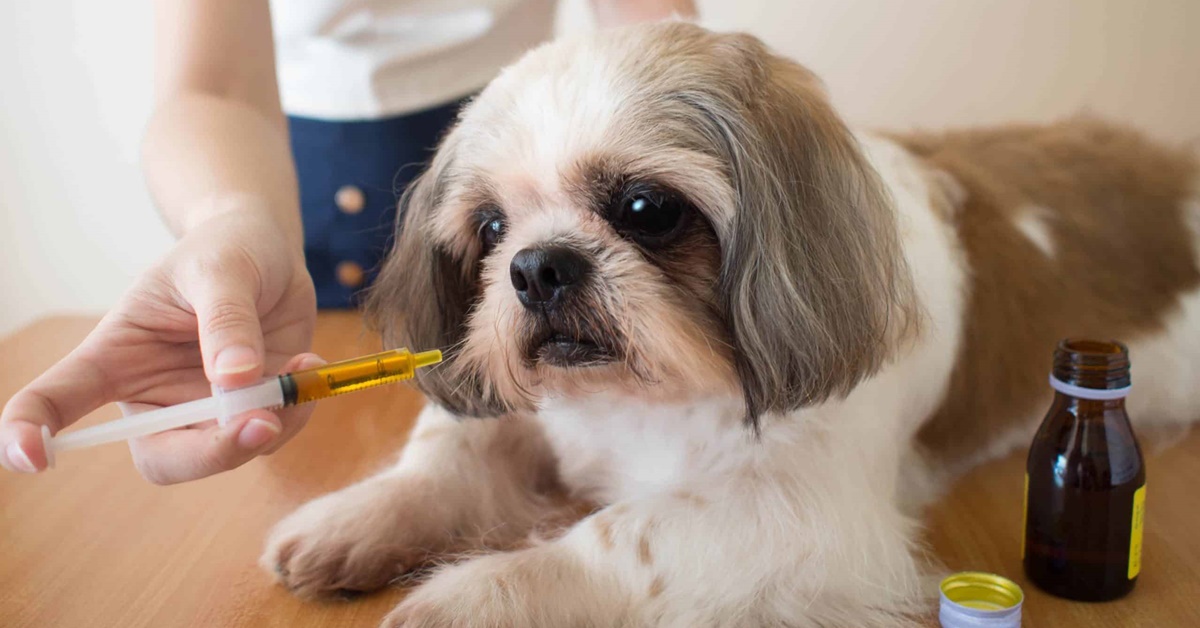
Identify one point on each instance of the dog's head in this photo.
(660, 210)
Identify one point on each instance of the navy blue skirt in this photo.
(351, 176)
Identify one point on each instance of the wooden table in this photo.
(92, 544)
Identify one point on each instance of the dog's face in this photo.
(658, 210)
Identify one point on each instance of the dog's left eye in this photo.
(650, 216)
(490, 233)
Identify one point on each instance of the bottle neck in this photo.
(1078, 391)
(1089, 369)
(1087, 407)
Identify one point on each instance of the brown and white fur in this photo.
(758, 402)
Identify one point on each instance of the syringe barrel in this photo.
(351, 375)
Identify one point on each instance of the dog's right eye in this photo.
(651, 217)
(490, 232)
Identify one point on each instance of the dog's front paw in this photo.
(537, 587)
(354, 540)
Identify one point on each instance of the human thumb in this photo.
(230, 332)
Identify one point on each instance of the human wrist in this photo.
(244, 207)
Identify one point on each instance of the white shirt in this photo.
(369, 59)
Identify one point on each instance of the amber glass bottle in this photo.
(1085, 481)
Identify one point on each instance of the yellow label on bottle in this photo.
(1135, 534)
(1025, 516)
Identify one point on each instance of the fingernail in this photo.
(233, 360)
(312, 362)
(257, 433)
(18, 459)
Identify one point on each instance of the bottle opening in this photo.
(1092, 347)
(1099, 364)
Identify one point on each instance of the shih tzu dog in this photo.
(673, 286)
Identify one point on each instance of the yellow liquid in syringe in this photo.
(351, 375)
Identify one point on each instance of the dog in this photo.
(709, 352)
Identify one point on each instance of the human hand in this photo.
(231, 302)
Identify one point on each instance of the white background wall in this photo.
(76, 225)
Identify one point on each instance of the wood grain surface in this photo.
(92, 544)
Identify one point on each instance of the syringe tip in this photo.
(426, 358)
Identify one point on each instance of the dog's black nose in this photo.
(541, 275)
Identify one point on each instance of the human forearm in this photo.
(204, 155)
(217, 141)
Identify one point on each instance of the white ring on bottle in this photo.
(1094, 394)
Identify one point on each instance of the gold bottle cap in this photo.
(971, 596)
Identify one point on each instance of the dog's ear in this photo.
(813, 279)
(424, 294)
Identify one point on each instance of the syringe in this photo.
(274, 392)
